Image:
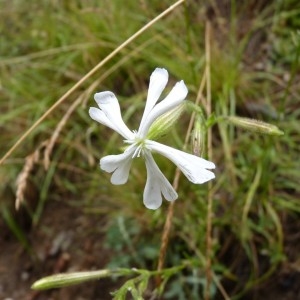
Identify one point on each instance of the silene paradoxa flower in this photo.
(139, 143)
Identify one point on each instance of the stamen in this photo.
(137, 152)
(129, 141)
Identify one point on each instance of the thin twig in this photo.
(88, 75)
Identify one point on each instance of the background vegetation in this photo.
(254, 46)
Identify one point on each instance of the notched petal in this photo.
(111, 162)
(156, 185)
(193, 167)
(174, 98)
(158, 81)
(104, 98)
(152, 196)
(99, 116)
(121, 174)
(109, 105)
(119, 165)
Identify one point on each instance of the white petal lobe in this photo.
(174, 98)
(193, 167)
(109, 104)
(158, 81)
(121, 174)
(156, 185)
(98, 115)
(119, 165)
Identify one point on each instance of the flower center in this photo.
(139, 145)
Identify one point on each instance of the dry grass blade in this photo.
(59, 127)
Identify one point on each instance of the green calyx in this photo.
(164, 123)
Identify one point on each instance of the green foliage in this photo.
(132, 245)
(136, 287)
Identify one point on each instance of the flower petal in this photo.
(174, 98)
(99, 116)
(158, 81)
(109, 104)
(121, 174)
(156, 185)
(193, 167)
(118, 164)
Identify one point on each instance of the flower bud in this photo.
(67, 279)
(255, 125)
(198, 137)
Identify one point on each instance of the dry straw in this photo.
(22, 179)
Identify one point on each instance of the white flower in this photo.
(109, 114)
